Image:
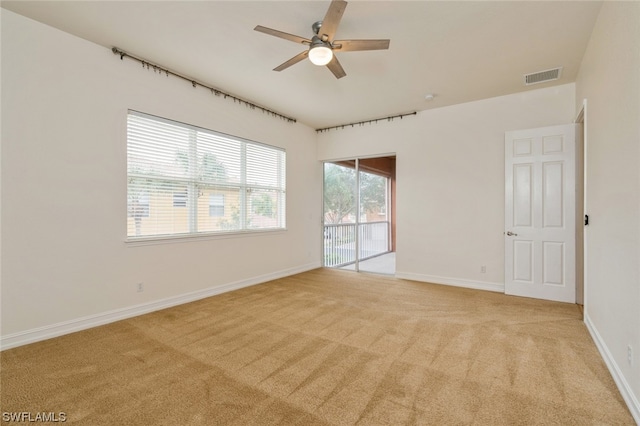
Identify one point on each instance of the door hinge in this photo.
(586, 220)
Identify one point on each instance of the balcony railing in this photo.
(340, 246)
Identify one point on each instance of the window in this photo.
(138, 206)
(180, 199)
(216, 205)
(184, 180)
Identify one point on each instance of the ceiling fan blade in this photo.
(299, 57)
(336, 68)
(354, 45)
(280, 34)
(332, 19)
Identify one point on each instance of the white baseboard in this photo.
(456, 282)
(78, 324)
(616, 373)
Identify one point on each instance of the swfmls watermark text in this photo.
(29, 417)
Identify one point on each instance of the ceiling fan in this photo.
(322, 45)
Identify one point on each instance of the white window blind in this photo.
(227, 184)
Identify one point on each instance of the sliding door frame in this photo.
(388, 206)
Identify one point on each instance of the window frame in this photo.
(245, 189)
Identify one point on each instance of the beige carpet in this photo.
(325, 347)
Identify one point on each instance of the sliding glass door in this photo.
(339, 215)
(357, 214)
(373, 224)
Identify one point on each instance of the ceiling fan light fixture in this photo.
(319, 53)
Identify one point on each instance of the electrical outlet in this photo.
(483, 269)
(630, 355)
(140, 287)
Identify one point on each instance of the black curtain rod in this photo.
(362, 123)
(157, 68)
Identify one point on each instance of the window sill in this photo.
(172, 239)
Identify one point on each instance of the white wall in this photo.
(609, 79)
(450, 174)
(64, 260)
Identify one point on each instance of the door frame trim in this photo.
(581, 118)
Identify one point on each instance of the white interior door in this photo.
(540, 213)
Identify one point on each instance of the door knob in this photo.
(511, 234)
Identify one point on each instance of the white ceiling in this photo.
(459, 51)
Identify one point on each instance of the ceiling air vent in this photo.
(542, 76)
